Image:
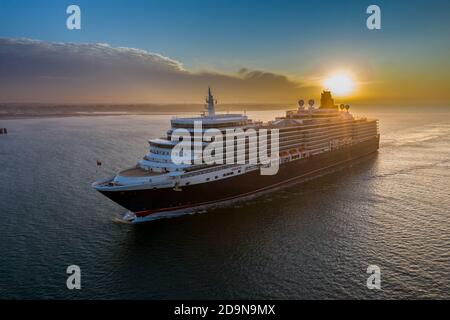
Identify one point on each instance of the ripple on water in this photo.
(310, 241)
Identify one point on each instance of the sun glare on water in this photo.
(339, 84)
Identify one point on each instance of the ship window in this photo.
(207, 179)
(216, 177)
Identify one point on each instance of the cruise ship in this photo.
(313, 141)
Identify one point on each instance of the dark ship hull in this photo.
(150, 201)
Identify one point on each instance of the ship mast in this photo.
(211, 103)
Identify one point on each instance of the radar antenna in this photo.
(211, 103)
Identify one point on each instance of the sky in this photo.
(249, 51)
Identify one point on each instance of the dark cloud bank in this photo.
(38, 71)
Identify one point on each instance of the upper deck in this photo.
(211, 121)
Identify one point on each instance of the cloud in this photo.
(39, 71)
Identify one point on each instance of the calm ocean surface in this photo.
(314, 240)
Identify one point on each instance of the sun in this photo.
(339, 84)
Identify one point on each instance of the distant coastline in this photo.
(22, 110)
(11, 111)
